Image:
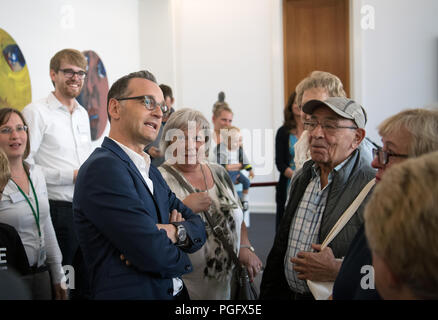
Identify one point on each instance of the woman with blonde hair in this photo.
(401, 222)
(408, 134)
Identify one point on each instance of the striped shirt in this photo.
(306, 224)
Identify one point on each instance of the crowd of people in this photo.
(154, 213)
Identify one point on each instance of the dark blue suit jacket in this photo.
(115, 213)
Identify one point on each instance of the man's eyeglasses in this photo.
(327, 126)
(69, 73)
(384, 156)
(149, 102)
(9, 130)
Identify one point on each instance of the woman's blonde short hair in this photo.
(401, 223)
(320, 79)
(422, 126)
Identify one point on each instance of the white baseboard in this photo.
(270, 208)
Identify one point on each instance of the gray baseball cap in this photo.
(346, 108)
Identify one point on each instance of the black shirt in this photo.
(355, 277)
(13, 255)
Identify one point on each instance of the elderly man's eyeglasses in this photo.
(149, 102)
(9, 130)
(328, 126)
(69, 73)
(384, 156)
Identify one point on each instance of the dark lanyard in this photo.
(36, 214)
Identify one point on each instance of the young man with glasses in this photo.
(61, 142)
(320, 193)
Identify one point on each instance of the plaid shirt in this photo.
(305, 225)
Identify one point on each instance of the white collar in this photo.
(141, 161)
(54, 103)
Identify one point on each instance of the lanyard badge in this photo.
(36, 215)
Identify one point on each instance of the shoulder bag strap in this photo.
(217, 230)
(346, 216)
(178, 178)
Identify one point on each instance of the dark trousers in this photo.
(61, 213)
(183, 295)
(280, 199)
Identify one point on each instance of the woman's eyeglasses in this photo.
(384, 156)
(9, 130)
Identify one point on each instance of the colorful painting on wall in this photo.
(15, 90)
(94, 93)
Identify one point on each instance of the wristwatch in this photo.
(249, 247)
(181, 234)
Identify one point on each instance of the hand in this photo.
(154, 152)
(288, 173)
(60, 293)
(198, 202)
(250, 260)
(127, 262)
(170, 231)
(316, 266)
(176, 216)
(75, 175)
(251, 174)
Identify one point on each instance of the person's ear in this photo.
(52, 74)
(114, 108)
(358, 137)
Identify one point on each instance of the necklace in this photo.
(205, 180)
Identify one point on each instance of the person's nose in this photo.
(14, 134)
(157, 112)
(317, 132)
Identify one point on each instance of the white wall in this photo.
(157, 43)
(235, 47)
(396, 62)
(43, 27)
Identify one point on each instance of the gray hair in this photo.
(182, 120)
(320, 79)
(422, 125)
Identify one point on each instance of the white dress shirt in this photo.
(15, 211)
(59, 142)
(143, 163)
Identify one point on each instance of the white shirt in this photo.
(15, 211)
(59, 142)
(233, 156)
(302, 150)
(143, 164)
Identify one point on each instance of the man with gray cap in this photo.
(319, 194)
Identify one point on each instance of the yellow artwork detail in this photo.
(15, 90)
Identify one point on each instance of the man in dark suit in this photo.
(123, 206)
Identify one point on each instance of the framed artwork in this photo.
(15, 89)
(94, 93)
